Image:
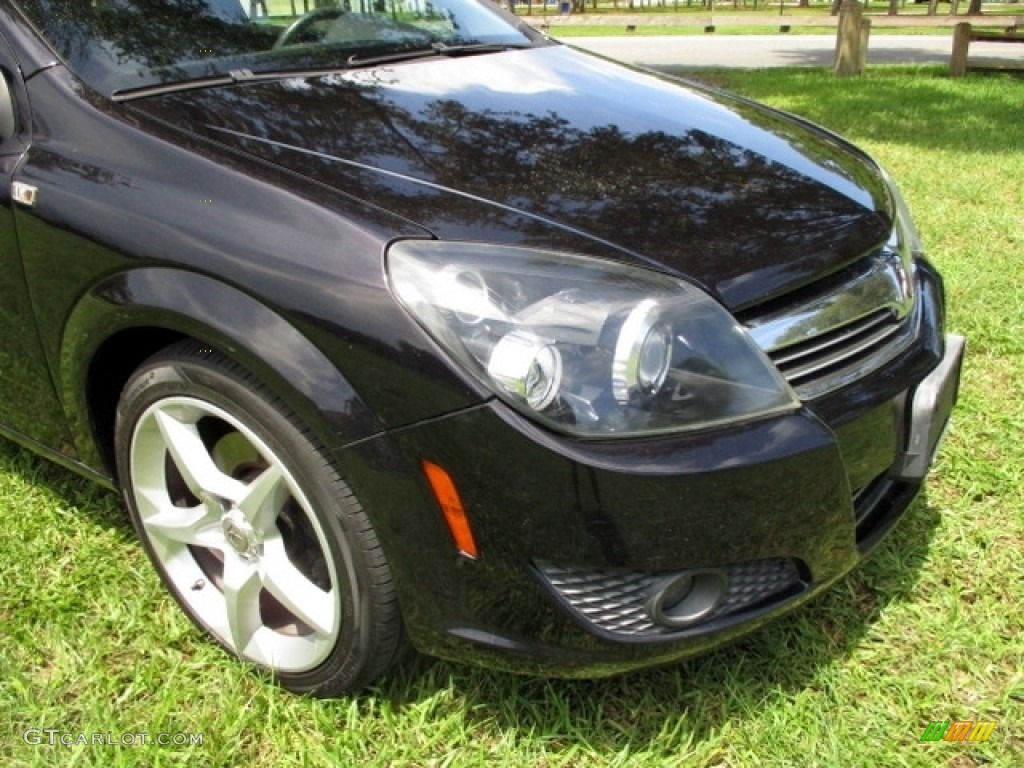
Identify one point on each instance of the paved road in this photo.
(783, 50)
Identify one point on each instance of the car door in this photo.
(29, 408)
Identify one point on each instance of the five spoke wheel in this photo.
(256, 535)
(235, 534)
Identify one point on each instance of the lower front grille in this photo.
(616, 600)
(878, 507)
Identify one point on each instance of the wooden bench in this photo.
(964, 34)
(632, 23)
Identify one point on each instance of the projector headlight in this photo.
(587, 347)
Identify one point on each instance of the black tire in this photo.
(256, 535)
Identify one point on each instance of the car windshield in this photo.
(124, 45)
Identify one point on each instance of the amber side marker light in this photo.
(451, 507)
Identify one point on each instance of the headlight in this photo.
(905, 237)
(904, 242)
(585, 346)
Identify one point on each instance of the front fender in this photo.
(107, 326)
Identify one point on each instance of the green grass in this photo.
(928, 628)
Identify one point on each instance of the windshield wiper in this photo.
(193, 83)
(434, 49)
(212, 81)
(246, 75)
(468, 49)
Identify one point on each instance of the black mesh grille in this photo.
(614, 600)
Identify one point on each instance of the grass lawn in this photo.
(929, 628)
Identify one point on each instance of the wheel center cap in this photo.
(242, 537)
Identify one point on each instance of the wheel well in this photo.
(111, 366)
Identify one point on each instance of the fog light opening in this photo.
(687, 598)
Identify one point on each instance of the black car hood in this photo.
(555, 148)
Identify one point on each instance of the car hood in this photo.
(555, 148)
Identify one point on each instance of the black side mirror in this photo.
(8, 117)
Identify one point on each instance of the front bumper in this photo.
(578, 539)
(930, 407)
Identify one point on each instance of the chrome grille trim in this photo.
(842, 328)
(835, 348)
(793, 354)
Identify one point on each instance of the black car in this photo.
(397, 322)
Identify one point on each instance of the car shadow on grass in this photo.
(29, 479)
(679, 706)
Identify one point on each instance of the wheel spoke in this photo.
(304, 599)
(193, 460)
(242, 603)
(195, 525)
(260, 501)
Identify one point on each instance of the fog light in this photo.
(643, 353)
(684, 599)
(527, 367)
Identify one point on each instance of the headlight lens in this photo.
(587, 347)
(905, 237)
(904, 242)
